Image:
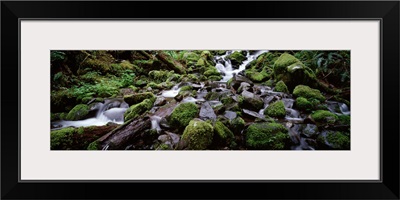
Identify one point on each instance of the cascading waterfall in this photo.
(226, 68)
(112, 110)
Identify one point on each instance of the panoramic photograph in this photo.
(236, 99)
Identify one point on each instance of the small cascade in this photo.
(155, 123)
(224, 66)
(171, 93)
(112, 110)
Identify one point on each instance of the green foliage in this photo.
(307, 92)
(265, 135)
(198, 134)
(182, 114)
(344, 119)
(276, 109)
(281, 87)
(57, 56)
(138, 97)
(236, 57)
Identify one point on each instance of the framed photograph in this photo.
(101, 97)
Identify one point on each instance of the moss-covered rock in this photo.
(307, 92)
(338, 140)
(94, 146)
(138, 109)
(182, 114)
(190, 58)
(80, 111)
(293, 72)
(212, 96)
(237, 125)
(212, 72)
(61, 138)
(214, 78)
(267, 136)
(236, 58)
(222, 133)
(250, 101)
(281, 87)
(198, 134)
(256, 76)
(303, 104)
(276, 109)
(138, 97)
(344, 119)
(324, 117)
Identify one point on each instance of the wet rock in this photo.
(237, 80)
(230, 115)
(166, 110)
(251, 101)
(164, 123)
(268, 99)
(160, 101)
(253, 114)
(310, 131)
(207, 112)
(244, 87)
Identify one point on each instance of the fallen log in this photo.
(120, 137)
(171, 63)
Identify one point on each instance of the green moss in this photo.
(198, 134)
(138, 97)
(257, 76)
(338, 140)
(222, 132)
(78, 112)
(281, 87)
(80, 130)
(182, 114)
(237, 124)
(191, 58)
(266, 136)
(303, 104)
(206, 55)
(276, 109)
(229, 82)
(163, 147)
(138, 109)
(344, 119)
(93, 146)
(212, 72)
(186, 88)
(214, 78)
(161, 75)
(226, 100)
(140, 83)
(269, 83)
(284, 61)
(324, 117)
(236, 57)
(212, 96)
(61, 138)
(307, 92)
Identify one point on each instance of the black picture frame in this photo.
(386, 11)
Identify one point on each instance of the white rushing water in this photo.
(104, 115)
(227, 68)
(171, 93)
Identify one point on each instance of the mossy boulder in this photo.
(212, 72)
(198, 135)
(236, 58)
(324, 117)
(256, 76)
(190, 58)
(237, 125)
(344, 120)
(303, 104)
(293, 72)
(138, 109)
(250, 101)
(222, 133)
(138, 97)
(281, 87)
(182, 114)
(308, 93)
(80, 111)
(271, 136)
(276, 109)
(334, 140)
